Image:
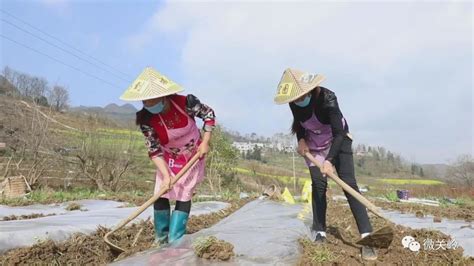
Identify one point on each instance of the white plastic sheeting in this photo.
(262, 232)
(21, 233)
(266, 233)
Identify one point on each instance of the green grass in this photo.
(391, 196)
(282, 178)
(46, 196)
(279, 159)
(392, 181)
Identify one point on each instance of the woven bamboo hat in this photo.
(150, 84)
(295, 83)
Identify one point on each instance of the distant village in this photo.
(279, 142)
(287, 143)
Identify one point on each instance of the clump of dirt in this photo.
(81, 249)
(211, 248)
(73, 206)
(452, 212)
(419, 214)
(342, 233)
(26, 217)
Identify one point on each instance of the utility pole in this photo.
(294, 175)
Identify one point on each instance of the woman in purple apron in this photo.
(321, 129)
(172, 137)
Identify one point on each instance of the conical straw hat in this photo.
(150, 84)
(294, 83)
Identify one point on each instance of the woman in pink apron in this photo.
(321, 129)
(172, 137)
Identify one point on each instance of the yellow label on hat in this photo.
(285, 88)
(164, 82)
(139, 86)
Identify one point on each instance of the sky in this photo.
(402, 71)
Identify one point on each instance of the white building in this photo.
(247, 146)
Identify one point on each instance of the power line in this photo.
(62, 49)
(61, 62)
(64, 43)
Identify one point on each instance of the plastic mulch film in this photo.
(19, 233)
(263, 232)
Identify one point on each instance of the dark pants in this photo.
(164, 204)
(344, 164)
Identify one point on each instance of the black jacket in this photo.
(326, 109)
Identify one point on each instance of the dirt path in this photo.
(337, 251)
(84, 249)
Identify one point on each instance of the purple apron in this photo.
(318, 138)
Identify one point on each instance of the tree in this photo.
(220, 161)
(376, 154)
(41, 101)
(9, 74)
(106, 159)
(38, 87)
(59, 98)
(30, 146)
(22, 83)
(462, 170)
(390, 157)
(255, 154)
(421, 173)
(413, 169)
(382, 152)
(31, 87)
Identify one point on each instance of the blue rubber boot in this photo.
(178, 223)
(162, 226)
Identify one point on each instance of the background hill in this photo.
(123, 115)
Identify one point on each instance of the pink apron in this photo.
(182, 145)
(318, 138)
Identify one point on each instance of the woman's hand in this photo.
(302, 147)
(163, 168)
(203, 149)
(166, 183)
(327, 168)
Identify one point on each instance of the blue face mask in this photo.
(304, 102)
(157, 108)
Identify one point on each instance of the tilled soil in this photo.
(342, 233)
(452, 212)
(81, 249)
(26, 217)
(197, 223)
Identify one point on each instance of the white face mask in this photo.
(157, 108)
(305, 101)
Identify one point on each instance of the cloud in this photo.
(391, 64)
